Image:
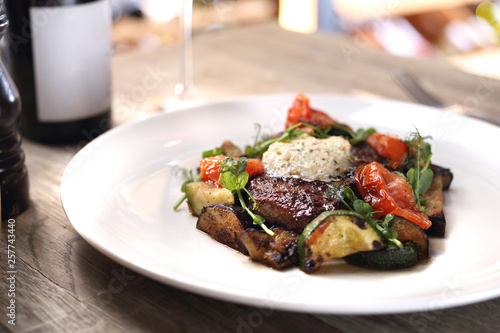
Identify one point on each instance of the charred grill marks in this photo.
(293, 202)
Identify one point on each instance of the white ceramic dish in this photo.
(118, 193)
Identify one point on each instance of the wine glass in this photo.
(185, 88)
(162, 12)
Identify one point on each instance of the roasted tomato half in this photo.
(388, 193)
(209, 168)
(390, 147)
(301, 112)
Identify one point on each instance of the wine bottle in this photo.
(58, 53)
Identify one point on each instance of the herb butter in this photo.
(309, 158)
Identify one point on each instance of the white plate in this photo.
(118, 193)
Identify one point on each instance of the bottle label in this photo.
(71, 60)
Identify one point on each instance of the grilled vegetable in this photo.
(200, 194)
(230, 149)
(446, 175)
(335, 234)
(278, 251)
(225, 223)
(408, 231)
(386, 258)
(434, 207)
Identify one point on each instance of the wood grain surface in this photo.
(64, 285)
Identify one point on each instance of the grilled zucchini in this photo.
(199, 194)
(335, 234)
(387, 258)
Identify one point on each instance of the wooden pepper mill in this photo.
(13, 173)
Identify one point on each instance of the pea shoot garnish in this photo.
(260, 147)
(234, 177)
(189, 178)
(365, 211)
(360, 135)
(213, 152)
(419, 175)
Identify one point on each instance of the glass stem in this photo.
(185, 88)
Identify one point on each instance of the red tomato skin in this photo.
(388, 194)
(209, 168)
(254, 166)
(301, 112)
(390, 147)
(370, 184)
(321, 119)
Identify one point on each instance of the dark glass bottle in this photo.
(58, 53)
(13, 172)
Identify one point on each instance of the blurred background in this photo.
(465, 33)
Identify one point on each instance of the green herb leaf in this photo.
(229, 181)
(426, 151)
(213, 152)
(241, 166)
(425, 180)
(349, 194)
(411, 175)
(322, 133)
(243, 179)
(229, 165)
(260, 147)
(388, 221)
(234, 177)
(382, 227)
(361, 135)
(390, 233)
(189, 178)
(362, 207)
(419, 175)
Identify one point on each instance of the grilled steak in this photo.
(363, 154)
(293, 202)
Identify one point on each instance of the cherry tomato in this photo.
(390, 147)
(301, 112)
(388, 193)
(209, 168)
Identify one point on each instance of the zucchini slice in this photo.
(335, 234)
(387, 258)
(199, 194)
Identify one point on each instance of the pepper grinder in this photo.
(14, 188)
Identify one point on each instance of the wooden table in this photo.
(65, 285)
